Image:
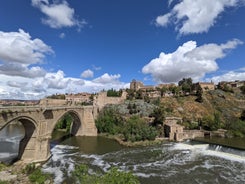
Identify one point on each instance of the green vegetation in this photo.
(237, 128)
(65, 123)
(136, 129)
(114, 93)
(199, 94)
(186, 85)
(109, 121)
(112, 177)
(211, 122)
(242, 88)
(3, 182)
(2, 166)
(159, 115)
(35, 174)
(38, 177)
(57, 96)
(133, 128)
(132, 108)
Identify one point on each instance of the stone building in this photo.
(232, 84)
(136, 85)
(79, 98)
(206, 86)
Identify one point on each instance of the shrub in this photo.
(136, 129)
(38, 177)
(109, 121)
(113, 176)
(237, 128)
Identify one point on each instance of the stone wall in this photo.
(52, 102)
(102, 99)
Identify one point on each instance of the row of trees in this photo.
(114, 93)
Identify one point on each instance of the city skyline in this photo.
(49, 47)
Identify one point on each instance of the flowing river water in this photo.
(169, 162)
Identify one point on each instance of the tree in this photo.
(159, 116)
(163, 90)
(136, 129)
(130, 94)
(175, 90)
(139, 94)
(109, 121)
(242, 88)
(186, 85)
(199, 94)
(114, 93)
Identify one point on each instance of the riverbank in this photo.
(13, 174)
(119, 139)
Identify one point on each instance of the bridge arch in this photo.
(30, 127)
(76, 123)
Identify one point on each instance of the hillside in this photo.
(222, 108)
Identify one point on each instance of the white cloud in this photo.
(229, 76)
(14, 87)
(188, 61)
(18, 52)
(17, 84)
(18, 47)
(107, 79)
(195, 16)
(59, 14)
(87, 74)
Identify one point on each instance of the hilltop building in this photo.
(232, 84)
(206, 86)
(138, 85)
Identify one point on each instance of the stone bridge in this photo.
(39, 123)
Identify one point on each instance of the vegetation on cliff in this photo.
(223, 108)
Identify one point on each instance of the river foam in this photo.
(205, 149)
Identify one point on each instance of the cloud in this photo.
(107, 79)
(18, 47)
(14, 69)
(56, 80)
(87, 74)
(62, 35)
(18, 51)
(229, 76)
(59, 14)
(96, 67)
(188, 60)
(17, 84)
(195, 16)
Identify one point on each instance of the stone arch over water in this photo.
(29, 126)
(76, 123)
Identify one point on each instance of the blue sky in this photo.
(70, 46)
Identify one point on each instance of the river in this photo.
(187, 162)
(169, 162)
(10, 137)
